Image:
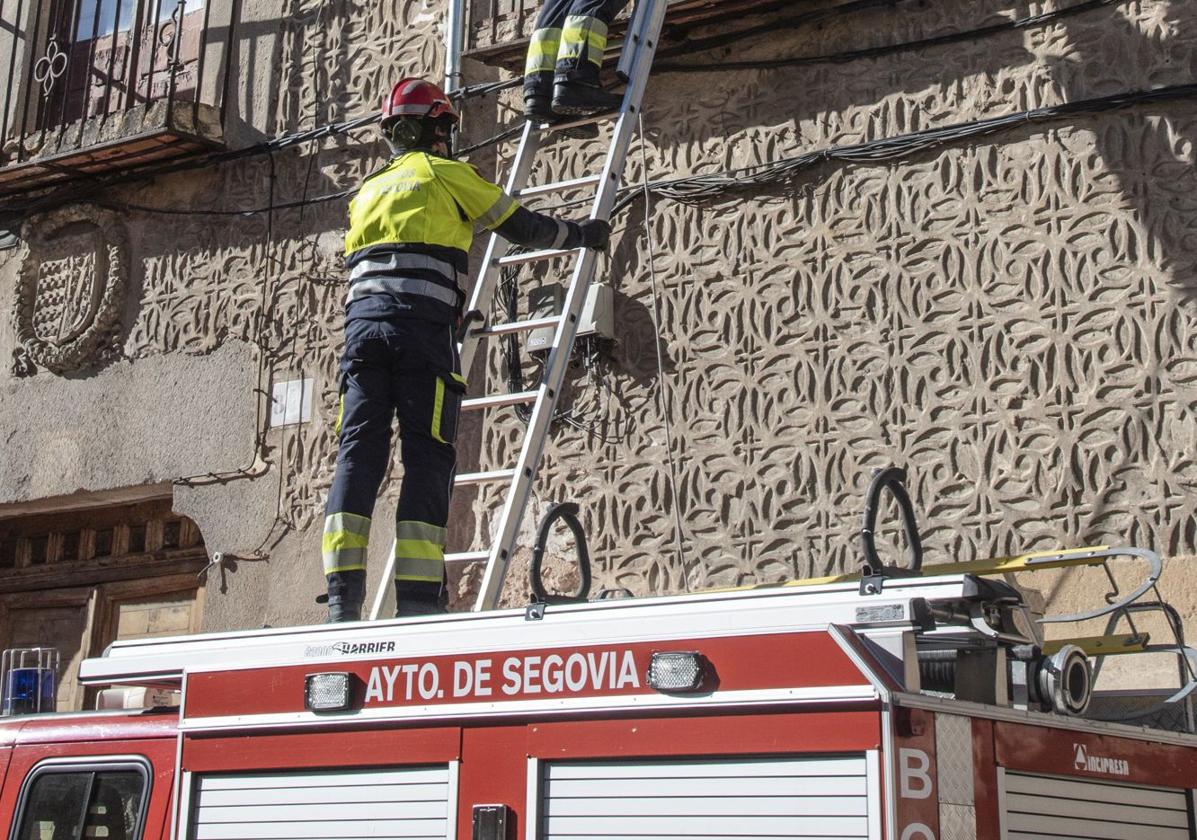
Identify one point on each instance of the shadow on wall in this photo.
(1151, 152)
(290, 67)
(608, 382)
(1112, 229)
(831, 98)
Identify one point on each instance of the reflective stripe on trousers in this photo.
(567, 43)
(542, 50)
(583, 39)
(419, 551)
(346, 536)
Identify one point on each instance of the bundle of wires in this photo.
(693, 188)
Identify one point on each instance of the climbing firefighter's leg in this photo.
(429, 402)
(367, 409)
(576, 87)
(542, 59)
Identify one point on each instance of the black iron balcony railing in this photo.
(94, 84)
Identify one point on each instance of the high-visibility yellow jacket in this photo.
(410, 230)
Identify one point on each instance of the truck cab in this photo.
(102, 775)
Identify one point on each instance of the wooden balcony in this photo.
(96, 86)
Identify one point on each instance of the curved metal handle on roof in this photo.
(1188, 688)
(1154, 566)
(1191, 656)
(1186, 656)
(567, 511)
(892, 479)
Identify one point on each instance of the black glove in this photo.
(596, 234)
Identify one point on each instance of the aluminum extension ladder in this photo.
(635, 64)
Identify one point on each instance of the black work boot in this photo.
(414, 598)
(346, 592)
(582, 99)
(538, 108)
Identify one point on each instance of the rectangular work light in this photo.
(676, 671)
(327, 692)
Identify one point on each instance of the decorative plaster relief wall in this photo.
(1014, 319)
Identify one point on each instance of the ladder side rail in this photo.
(563, 341)
(384, 594)
(641, 67)
(483, 294)
(633, 39)
(534, 438)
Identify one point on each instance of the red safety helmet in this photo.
(416, 98)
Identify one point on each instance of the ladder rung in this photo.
(557, 186)
(519, 326)
(466, 556)
(533, 256)
(488, 477)
(498, 400)
(581, 121)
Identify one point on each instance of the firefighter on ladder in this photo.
(561, 76)
(410, 229)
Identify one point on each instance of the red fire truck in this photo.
(906, 707)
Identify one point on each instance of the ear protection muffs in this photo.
(405, 133)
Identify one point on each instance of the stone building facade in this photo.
(1010, 315)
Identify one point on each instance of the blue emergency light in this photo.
(28, 681)
(28, 691)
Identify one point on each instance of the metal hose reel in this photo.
(1064, 681)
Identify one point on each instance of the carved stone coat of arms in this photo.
(71, 291)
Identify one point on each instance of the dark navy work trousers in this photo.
(406, 368)
(568, 43)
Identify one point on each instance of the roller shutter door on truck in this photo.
(711, 799)
(1035, 807)
(408, 803)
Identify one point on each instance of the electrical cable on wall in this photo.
(99, 184)
(485, 88)
(700, 187)
(771, 27)
(657, 339)
(709, 185)
(494, 140)
(261, 395)
(508, 298)
(77, 192)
